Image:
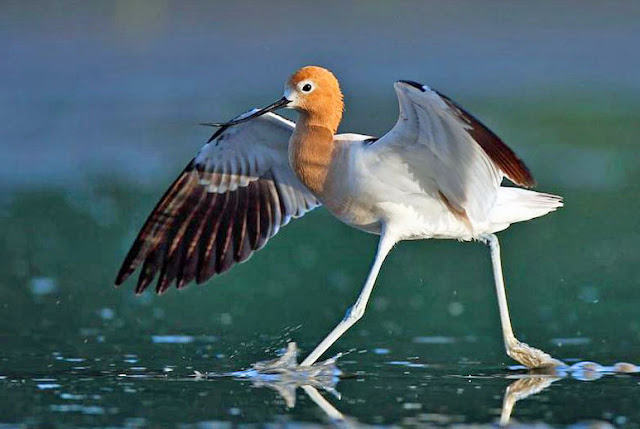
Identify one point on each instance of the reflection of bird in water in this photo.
(536, 380)
(522, 388)
(436, 174)
(284, 376)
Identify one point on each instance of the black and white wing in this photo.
(227, 203)
(449, 151)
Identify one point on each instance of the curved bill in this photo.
(270, 108)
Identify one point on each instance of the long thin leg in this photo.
(354, 313)
(523, 353)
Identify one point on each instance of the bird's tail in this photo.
(517, 205)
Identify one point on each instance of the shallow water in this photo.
(153, 386)
(99, 105)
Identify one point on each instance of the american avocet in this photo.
(435, 174)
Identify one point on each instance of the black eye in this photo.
(306, 87)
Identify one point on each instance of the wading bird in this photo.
(436, 174)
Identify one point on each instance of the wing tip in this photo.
(528, 182)
(414, 84)
(122, 275)
(514, 168)
(502, 155)
(140, 288)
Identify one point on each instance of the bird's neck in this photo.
(311, 150)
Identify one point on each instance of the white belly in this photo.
(411, 215)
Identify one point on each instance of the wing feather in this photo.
(506, 159)
(448, 152)
(227, 203)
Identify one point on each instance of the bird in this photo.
(439, 173)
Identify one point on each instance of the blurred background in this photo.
(100, 103)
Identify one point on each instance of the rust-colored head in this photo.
(315, 93)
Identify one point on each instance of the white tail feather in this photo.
(517, 205)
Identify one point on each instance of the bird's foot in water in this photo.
(285, 375)
(530, 356)
(286, 368)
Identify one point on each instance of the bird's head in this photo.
(314, 92)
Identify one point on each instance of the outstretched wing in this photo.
(448, 150)
(229, 200)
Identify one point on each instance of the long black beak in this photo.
(270, 108)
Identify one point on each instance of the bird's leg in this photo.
(523, 353)
(354, 313)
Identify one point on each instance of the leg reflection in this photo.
(331, 411)
(525, 386)
(284, 375)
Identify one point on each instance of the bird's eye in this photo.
(306, 87)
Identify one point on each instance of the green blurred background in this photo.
(100, 103)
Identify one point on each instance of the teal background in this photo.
(100, 104)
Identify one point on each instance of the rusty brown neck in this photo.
(311, 150)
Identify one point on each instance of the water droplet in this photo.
(412, 406)
(43, 286)
(172, 339)
(48, 386)
(226, 319)
(626, 367)
(106, 313)
(589, 294)
(456, 309)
